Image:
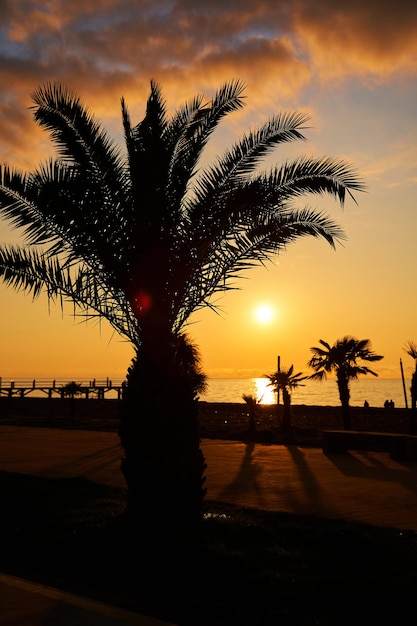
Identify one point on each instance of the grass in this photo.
(247, 568)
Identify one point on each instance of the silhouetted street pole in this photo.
(404, 389)
(278, 370)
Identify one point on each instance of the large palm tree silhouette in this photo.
(144, 239)
(344, 358)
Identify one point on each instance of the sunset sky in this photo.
(351, 66)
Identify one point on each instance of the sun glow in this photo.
(264, 392)
(264, 314)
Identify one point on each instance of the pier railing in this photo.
(99, 388)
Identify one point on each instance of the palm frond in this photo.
(128, 130)
(253, 244)
(411, 349)
(245, 156)
(53, 208)
(317, 176)
(153, 125)
(199, 124)
(21, 200)
(219, 210)
(182, 149)
(148, 160)
(73, 128)
(29, 271)
(183, 121)
(80, 139)
(285, 226)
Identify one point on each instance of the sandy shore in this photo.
(217, 420)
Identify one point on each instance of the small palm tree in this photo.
(343, 358)
(252, 402)
(411, 349)
(144, 237)
(285, 381)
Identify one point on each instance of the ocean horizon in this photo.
(375, 391)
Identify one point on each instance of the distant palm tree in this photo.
(411, 349)
(285, 381)
(343, 358)
(70, 390)
(253, 403)
(146, 238)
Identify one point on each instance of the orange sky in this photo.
(352, 66)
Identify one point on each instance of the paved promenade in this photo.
(365, 487)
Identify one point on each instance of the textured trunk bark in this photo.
(413, 403)
(344, 394)
(163, 464)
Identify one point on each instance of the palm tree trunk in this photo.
(72, 405)
(286, 417)
(252, 421)
(344, 394)
(163, 464)
(413, 403)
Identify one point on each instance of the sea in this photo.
(313, 393)
(375, 391)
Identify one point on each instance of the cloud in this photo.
(374, 38)
(110, 48)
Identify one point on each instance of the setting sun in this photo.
(280, 304)
(264, 314)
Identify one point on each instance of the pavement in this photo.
(367, 487)
(23, 603)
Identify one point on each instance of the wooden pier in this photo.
(99, 389)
